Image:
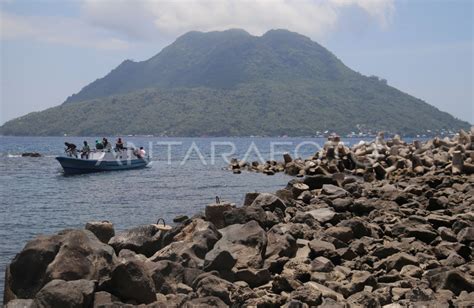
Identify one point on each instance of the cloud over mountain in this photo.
(116, 25)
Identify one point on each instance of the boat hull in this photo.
(78, 166)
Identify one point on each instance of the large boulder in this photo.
(333, 191)
(322, 215)
(246, 243)
(69, 255)
(453, 280)
(210, 285)
(104, 230)
(215, 213)
(146, 240)
(190, 245)
(131, 281)
(67, 294)
(317, 181)
(269, 202)
(280, 243)
(245, 214)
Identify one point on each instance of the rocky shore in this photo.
(382, 224)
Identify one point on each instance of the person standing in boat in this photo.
(71, 149)
(85, 150)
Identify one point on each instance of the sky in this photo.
(50, 49)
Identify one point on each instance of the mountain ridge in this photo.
(233, 83)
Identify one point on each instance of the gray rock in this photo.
(466, 235)
(386, 250)
(334, 191)
(246, 243)
(131, 281)
(357, 225)
(21, 303)
(307, 295)
(180, 218)
(253, 277)
(49, 257)
(363, 299)
(437, 203)
(453, 280)
(208, 301)
(104, 299)
(269, 202)
(325, 291)
(322, 215)
(220, 261)
(322, 264)
(211, 285)
(341, 204)
(104, 230)
(145, 240)
(422, 233)
(245, 214)
(343, 234)
(317, 181)
(190, 245)
(60, 293)
(399, 260)
(280, 243)
(215, 213)
(323, 248)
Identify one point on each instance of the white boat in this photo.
(102, 160)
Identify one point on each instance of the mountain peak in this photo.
(234, 83)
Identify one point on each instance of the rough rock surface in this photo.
(382, 224)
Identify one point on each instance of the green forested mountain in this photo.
(231, 83)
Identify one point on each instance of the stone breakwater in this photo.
(340, 235)
(379, 159)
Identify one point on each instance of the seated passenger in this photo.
(142, 152)
(85, 151)
(106, 144)
(119, 144)
(99, 145)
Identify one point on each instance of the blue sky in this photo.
(50, 49)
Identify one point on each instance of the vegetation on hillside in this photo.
(233, 84)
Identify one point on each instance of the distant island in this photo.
(230, 83)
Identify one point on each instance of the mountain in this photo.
(230, 83)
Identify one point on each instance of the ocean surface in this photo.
(186, 174)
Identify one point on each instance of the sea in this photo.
(185, 175)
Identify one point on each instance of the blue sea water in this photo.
(36, 198)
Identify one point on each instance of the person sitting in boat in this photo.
(71, 149)
(107, 145)
(99, 145)
(142, 152)
(119, 145)
(85, 151)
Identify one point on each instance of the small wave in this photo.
(13, 155)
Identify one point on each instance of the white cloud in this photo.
(148, 19)
(315, 18)
(117, 24)
(62, 30)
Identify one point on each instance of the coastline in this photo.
(332, 236)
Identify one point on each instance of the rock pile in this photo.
(379, 159)
(404, 240)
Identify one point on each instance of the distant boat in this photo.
(98, 161)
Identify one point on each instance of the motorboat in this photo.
(102, 160)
